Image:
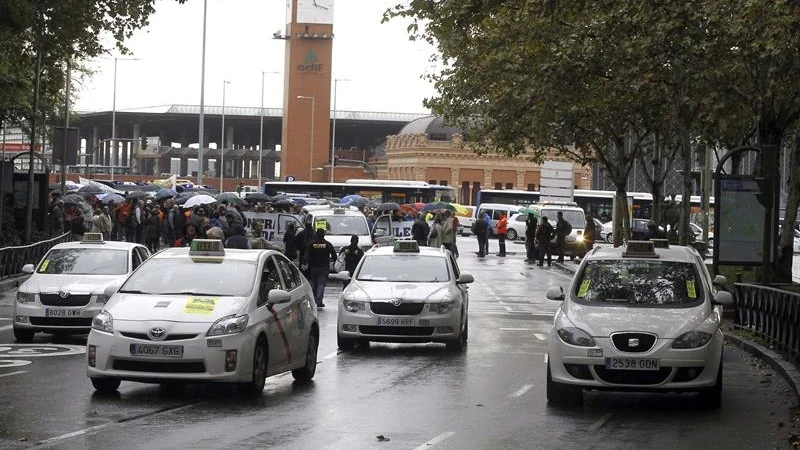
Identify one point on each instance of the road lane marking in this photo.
(540, 336)
(601, 421)
(514, 329)
(521, 391)
(7, 319)
(6, 327)
(435, 440)
(19, 372)
(328, 356)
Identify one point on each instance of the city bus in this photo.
(398, 191)
(599, 203)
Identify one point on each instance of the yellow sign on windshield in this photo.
(43, 268)
(690, 290)
(199, 305)
(584, 287)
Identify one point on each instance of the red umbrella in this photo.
(419, 205)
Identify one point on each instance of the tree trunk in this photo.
(686, 177)
(785, 250)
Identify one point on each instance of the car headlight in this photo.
(228, 325)
(100, 298)
(26, 297)
(353, 306)
(692, 339)
(579, 238)
(441, 307)
(103, 322)
(575, 336)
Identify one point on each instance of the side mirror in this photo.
(111, 289)
(555, 293)
(27, 268)
(723, 298)
(384, 239)
(379, 232)
(465, 278)
(278, 296)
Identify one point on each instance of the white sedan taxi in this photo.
(645, 316)
(66, 289)
(206, 314)
(405, 293)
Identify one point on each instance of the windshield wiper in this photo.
(132, 291)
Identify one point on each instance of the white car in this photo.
(66, 288)
(638, 318)
(206, 314)
(405, 293)
(516, 227)
(796, 246)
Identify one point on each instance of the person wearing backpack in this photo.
(563, 229)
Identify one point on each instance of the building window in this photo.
(464, 194)
(432, 182)
(509, 185)
(531, 187)
(498, 185)
(476, 187)
(443, 183)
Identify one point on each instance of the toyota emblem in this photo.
(63, 294)
(633, 342)
(397, 301)
(157, 333)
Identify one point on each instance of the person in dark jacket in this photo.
(530, 239)
(290, 241)
(189, 234)
(563, 229)
(481, 229)
(352, 255)
(544, 233)
(589, 233)
(152, 230)
(420, 230)
(238, 238)
(318, 256)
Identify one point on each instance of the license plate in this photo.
(397, 321)
(62, 312)
(169, 351)
(632, 364)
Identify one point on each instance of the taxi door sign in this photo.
(199, 305)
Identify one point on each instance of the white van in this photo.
(573, 214)
(341, 223)
(495, 210)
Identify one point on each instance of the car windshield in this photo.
(85, 261)
(406, 268)
(345, 225)
(181, 276)
(575, 218)
(639, 282)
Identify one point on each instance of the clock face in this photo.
(315, 11)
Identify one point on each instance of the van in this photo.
(495, 210)
(340, 222)
(275, 224)
(465, 221)
(573, 245)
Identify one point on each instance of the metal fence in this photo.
(773, 314)
(13, 258)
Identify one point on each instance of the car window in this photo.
(344, 225)
(85, 261)
(143, 252)
(228, 277)
(454, 266)
(291, 277)
(575, 218)
(410, 268)
(497, 213)
(270, 279)
(639, 283)
(137, 259)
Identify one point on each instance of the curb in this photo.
(787, 370)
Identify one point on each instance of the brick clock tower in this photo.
(305, 142)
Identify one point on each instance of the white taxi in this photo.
(66, 289)
(405, 293)
(638, 318)
(206, 314)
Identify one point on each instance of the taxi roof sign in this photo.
(660, 243)
(207, 247)
(406, 246)
(92, 238)
(640, 249)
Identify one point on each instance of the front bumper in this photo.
(679, 369)
(203, 358)
(426, 326)
(55, 319)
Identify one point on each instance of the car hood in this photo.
(383, 291)
(74, 284)
(176, 308)
(666, 323)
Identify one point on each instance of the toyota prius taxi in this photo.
(206, 314)
(645, 316)
(66, 289)
(405, 293)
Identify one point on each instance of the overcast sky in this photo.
(383, 65)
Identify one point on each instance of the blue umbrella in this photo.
(111, 197)
(165, 193)
(349, 198)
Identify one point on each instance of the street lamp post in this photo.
(333, 136)
(202, 100)
(222, 145)
(261, 128)
(114, 115)
(311, 156)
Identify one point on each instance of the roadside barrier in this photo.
(773, 314)
(13, 258)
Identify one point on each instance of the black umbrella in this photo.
(72, 199)
(438, 206)
(360, 202)
(388, 206)
(257, 197)
(136, 194)
(90, 190)
(282, 204)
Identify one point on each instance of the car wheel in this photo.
(511, 235)
(460, 342)
(363, 344)
(609, 238)
(711, 397)
(105, 385)
(562, 394)
(345, 343)
(22, 335)
(259, 374)
(306, 373)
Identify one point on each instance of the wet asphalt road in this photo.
(492, 396)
